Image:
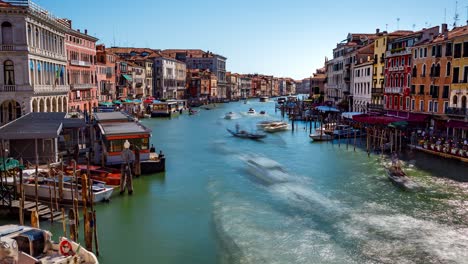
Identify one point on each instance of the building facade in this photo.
(105, 71)
(169, 78)
(362, 86)
(81, 70)
(33, 61)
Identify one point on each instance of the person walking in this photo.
(128, 158)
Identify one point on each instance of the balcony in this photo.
(398, 52)
(80, 63)
(393, 90)
(455, 111)
(377, 90)
(80, 86)
(50, 89)
(13, 47)
(15, 88)
(46, 53)
(401, 68)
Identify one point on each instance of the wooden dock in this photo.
(44, 211)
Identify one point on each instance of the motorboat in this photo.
(266, 170)
(251, 111)
(264, 99)
(245, 134)
(262, 112)
(281, 100)
(277, 126)
(263, 124)
(344, 131)
(327, 128)
(23, 244)
(317, 136)
(230, 115)
(71, 189)
(192, 112)
(109, 176)
(398, 177)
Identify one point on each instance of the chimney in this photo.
(377, 31)
(444, 28)
(86, 32)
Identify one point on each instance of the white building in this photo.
(169, 78)
(362, 86)
(33, 61)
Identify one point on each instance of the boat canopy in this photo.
(350, 115)
(9, 164)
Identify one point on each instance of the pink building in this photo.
(81, 70)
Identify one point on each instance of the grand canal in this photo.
(337, 205)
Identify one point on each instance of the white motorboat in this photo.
(251, 111)
(229, 115)
(266, 170)
(23, 244)
(317, 136)
(264, 99)
(277, 126)
(263, 124)
(46, 188)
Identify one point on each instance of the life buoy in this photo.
(65, 248)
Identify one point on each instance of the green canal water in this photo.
(336, 206)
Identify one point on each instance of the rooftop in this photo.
(34, 126)
(111, 116)
(123, 128)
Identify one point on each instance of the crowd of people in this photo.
(447, 145)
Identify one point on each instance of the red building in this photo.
(398, 66)
(81, 70)
(105, 72)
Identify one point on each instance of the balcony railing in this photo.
(47, 53)
(82, 86)
(15, 88)
(457, 111)
(51, 88)
(13, 47)
(80, 63)
(377, 90)
(398, 52)
(393, 90)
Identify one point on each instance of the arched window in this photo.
(432, 73)
(463, 102)
(36, 40)
(402, 81)
(30, 41)
(455, 101)
(7, 33)
(437, 70)
(449, 68)
(9, 73)
(409, 80)
(423, 71)
(415, 71)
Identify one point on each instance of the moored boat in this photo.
(23, 244)
(398, 177)
(317, 136)
(264, 99)
(110, 176)
(70, 190)
(344, 131)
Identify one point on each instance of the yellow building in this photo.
(380, 47)
(459, 87)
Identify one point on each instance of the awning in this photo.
(128, 77)
(457, 124)
(117, 102)
(417, 118)
(350, 115)
(106, 103)
(376, 120)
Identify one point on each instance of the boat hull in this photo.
(323, 137)
(400, 179)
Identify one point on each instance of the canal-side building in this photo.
(169, 77)
(105, 72)
(459, 87)
(198, 84)
(362, 85)
(317, 83)
(81, 70)
(233, 83)
(246, 86)
(199, 59)
(138, 83)
(431, 74)
(398, 67)
(358, 56)
(33, 61)
(282, 86)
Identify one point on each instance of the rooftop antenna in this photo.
(414, 27)
(455, 18)
(398, 23)
(386, 27)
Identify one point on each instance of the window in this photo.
(403, 62)
(436, 106)
(432, 73)
(439, 51)
(421, 89)
(413, 89)
(448, 49)
(421, 105)
(445, 91)
(465, 74)
(412, 104)
(415, 53)
(449, 68)
(430, 106)
(401, 102)
(455, 101)
(407, 103)
(465, 49)
(457, 52)
(433, 52)
(415, 71)
(423, 74)
(437, 70)
(7, 33)
(9, 73)
(425, 52)
(456, 72)
(421, 53)
(446, 105)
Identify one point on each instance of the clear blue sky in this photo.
(284, 38)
